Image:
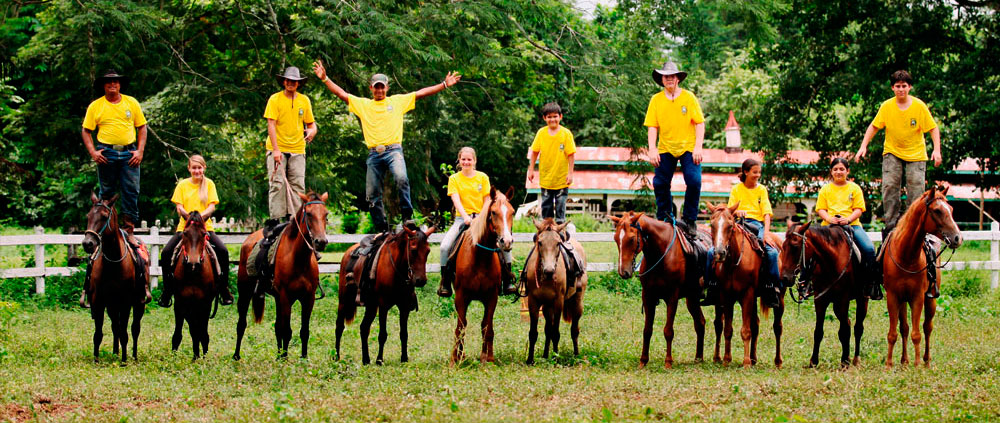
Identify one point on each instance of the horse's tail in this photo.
(258, 308)
(764, 309)
(348, 308)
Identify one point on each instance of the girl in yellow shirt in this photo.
(755, 208)
(196, 193)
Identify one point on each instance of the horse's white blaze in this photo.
(507, 237)
(718, 234)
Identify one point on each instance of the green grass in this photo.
(46, 370)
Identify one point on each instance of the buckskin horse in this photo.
(296, 274)
(549, 288)
(737, 266)
(905, 268)
(478, 269)
(664, 273)
(194, 271)
(823, 258)
(399, 267)
(114, 278)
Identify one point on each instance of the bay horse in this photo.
(823, 257)
(737, 267)
(548, 287)
(194, 273)
(400, 267)
(115, 284)
(296, 274)
(478, 269)
(665, 275)
(905, 267)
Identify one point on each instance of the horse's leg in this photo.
(205, 317)
(547, 311)
(841, 310)
(778, 313)
(404, 334)
(859, 327)
(917, 312)
(242, 307)
(727, 331)
(930, 307)
(574, 332)
(115, 341)
(307, 307)
(283, 323)
(892, 305)
(532, 328)
(649, 310)
(461, 307)
(383, 333)
(175, 340)
(699, 327)
(717, 323)
(748, 307)
(123, 312)
(557, 311)
(193, 316)
(668, 332)
(97, 312)
(366, 328)
(340, 329)
(904, 329)
(487, 328)
(820, 305)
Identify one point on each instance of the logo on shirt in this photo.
(562, 147)
(913, 123)
(128, 114)
(479, 187)
(388, 108)
(684, 110)
(850, 197)
(301, 111)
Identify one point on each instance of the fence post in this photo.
(994, 253)
(40, 263)
(154, 255)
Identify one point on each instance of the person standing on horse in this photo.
(287, 112)
(904, 156)
(554, 149)
(196, 193)
(755, 209)
(121, 141)
(382, 125)
(841, 202)
(675, 135)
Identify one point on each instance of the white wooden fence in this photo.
(155, 240)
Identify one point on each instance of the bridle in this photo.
(98, 234)
(409, 260)
(307, 236)
(640, 243)
(927, 209)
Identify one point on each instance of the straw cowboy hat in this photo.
(292, 74)
(669, 68)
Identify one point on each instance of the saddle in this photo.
(260, 263)
(931, 246)
(855, 251)
(140, 256)
(367, 252)
(573, 262)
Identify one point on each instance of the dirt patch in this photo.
(43, 407)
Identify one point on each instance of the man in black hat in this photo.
(676, 132)
(288, 112)
(382, 125)
(121, 140)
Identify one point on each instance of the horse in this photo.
(296, 274)
(399, 267)
(905, 267)
(195, 288)
(478, 269)
(823, 256)
(664, 274)
(737, 266)
(548, 288)
(114, 278)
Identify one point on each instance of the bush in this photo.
(613, 283)
(351, 222)
(60, 291)
(964, 283)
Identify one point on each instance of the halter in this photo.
(803, 284)
(640, 245)
(409, 268)
(308, 236)
(927, 205)
(100, 241)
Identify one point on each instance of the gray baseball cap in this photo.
(379, 78)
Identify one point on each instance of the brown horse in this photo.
(905, 266)
(296, 274)
(195, 287)
(399, 268)
(822, 256)
(737, 266)
(478, 269)
(548, 289)
(664, 274)
(115, 284)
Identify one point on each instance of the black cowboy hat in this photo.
(109, 75)
(292, 74)
(669, 68)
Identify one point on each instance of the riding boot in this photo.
(85, 295)
(269, 225)
(507, 276)
(711, 297)
(447, 277)
(875, 282)
(222, 281)
(689, 229)
(770, 293)
(168, 286)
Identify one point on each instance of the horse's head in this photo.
(940, 221)
(629, 239)
(791, 251)
(416, 254)
(312, 219)
(547, 241)
(101, 218)
(501, 218)
(193, 240)
(723, 225)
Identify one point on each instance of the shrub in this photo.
(351, 222)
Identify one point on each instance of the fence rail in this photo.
(155, 240)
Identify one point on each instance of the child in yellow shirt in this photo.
(755, 208)
(554, 148)
(841, 202)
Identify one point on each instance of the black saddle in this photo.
(366, 251)
(265, 270)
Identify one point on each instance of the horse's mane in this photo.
(548, 224)
(828, 234)
(911, 212)
(195, 219)
(478, 227)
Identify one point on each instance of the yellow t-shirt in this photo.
(841, 200)
(553, 156)
(904, 129)
(290, 117)
(116, 122)
(186, 194)
(753, 201)
(675, 120)
(471, 191)
(382, 121)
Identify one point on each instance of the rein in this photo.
(929, 264)
(673, 239)
(409, 268)
(804, 284)
(100, 238)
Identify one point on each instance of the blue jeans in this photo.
(118, 175)
(554, 204)
(865, 245)
(662, 176)
(378, 163)
(771, 254)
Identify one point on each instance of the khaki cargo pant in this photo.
(896, 172)
(294, 166)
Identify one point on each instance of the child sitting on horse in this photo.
(841, 202)
(196, 193)
(755, 209)
(468, 190)
(554, 149)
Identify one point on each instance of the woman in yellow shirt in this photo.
(196, 193)
(755, 208)
(841, 202)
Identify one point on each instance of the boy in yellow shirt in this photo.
(554, 149)
(904, 158)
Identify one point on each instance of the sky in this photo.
(587, 6)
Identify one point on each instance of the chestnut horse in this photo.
(664, 274)
(194, 272)
(823, 257)
(905, 266)
(737, 267)
(478, 269)
(547, 288)
(115, 284)
(399, 268)
(296, 274)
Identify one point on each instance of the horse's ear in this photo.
(561, 226)
(113, 199)
(324, 197)
(615, 219)
(804, 227)
(944, 189)
(637, 216)
(493, 192)
(509, 193)
(303, 196)
(409, 231)
(711, 207)
(789, 222)
(539, 224)
(94, 198)
(735, 207)
(430, 230)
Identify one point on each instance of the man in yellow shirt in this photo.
(287, 112)
(676, 133)
(904, 157)
(382, 125)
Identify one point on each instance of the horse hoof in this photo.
(236, 357)
(642, 366)
(667, 366)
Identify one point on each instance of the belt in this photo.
(117, 147)
(383, 148)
